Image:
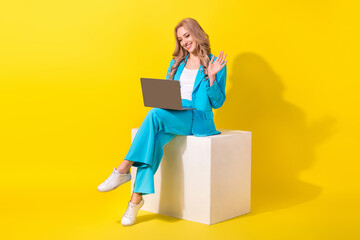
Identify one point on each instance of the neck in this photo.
(193, 57)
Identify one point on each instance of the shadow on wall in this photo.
(283, 142)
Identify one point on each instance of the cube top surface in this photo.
(224, 132)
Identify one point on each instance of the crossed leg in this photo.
(146, 151)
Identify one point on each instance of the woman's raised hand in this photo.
(217, 65)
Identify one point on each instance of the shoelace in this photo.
(107, 181)
(129, 211)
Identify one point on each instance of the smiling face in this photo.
(185, 39)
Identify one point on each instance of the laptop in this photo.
(162, 93)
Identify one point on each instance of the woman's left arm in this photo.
(217, 81)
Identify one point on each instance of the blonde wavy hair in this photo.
(203, 45)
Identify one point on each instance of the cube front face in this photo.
(230, 175)
(197, 175)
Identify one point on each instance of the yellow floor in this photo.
(59, 213)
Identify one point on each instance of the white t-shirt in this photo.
(187, 80)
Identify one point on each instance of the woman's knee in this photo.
(156, 112)
(158, 116)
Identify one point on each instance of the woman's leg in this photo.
(144, 176)
(136, 197)
(125, 166)
(144, 182)
(146, 151)
(148, 129)
(170, 122)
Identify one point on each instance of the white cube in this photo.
(202, 179)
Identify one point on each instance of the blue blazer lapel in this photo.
(199, 76)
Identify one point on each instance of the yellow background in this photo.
(70, 93)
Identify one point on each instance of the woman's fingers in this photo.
(220, 55)
(212, 59)
(222, 65)
(223, 59)
(220, 59)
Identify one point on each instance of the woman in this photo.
(202, 79)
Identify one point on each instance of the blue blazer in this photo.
(204, 98)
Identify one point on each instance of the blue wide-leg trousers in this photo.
(146, 150)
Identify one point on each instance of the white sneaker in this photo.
(114, 180)
(129, 216)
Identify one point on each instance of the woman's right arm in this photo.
(168, 71)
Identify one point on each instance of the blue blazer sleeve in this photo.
(168, 71)
(216, 92)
